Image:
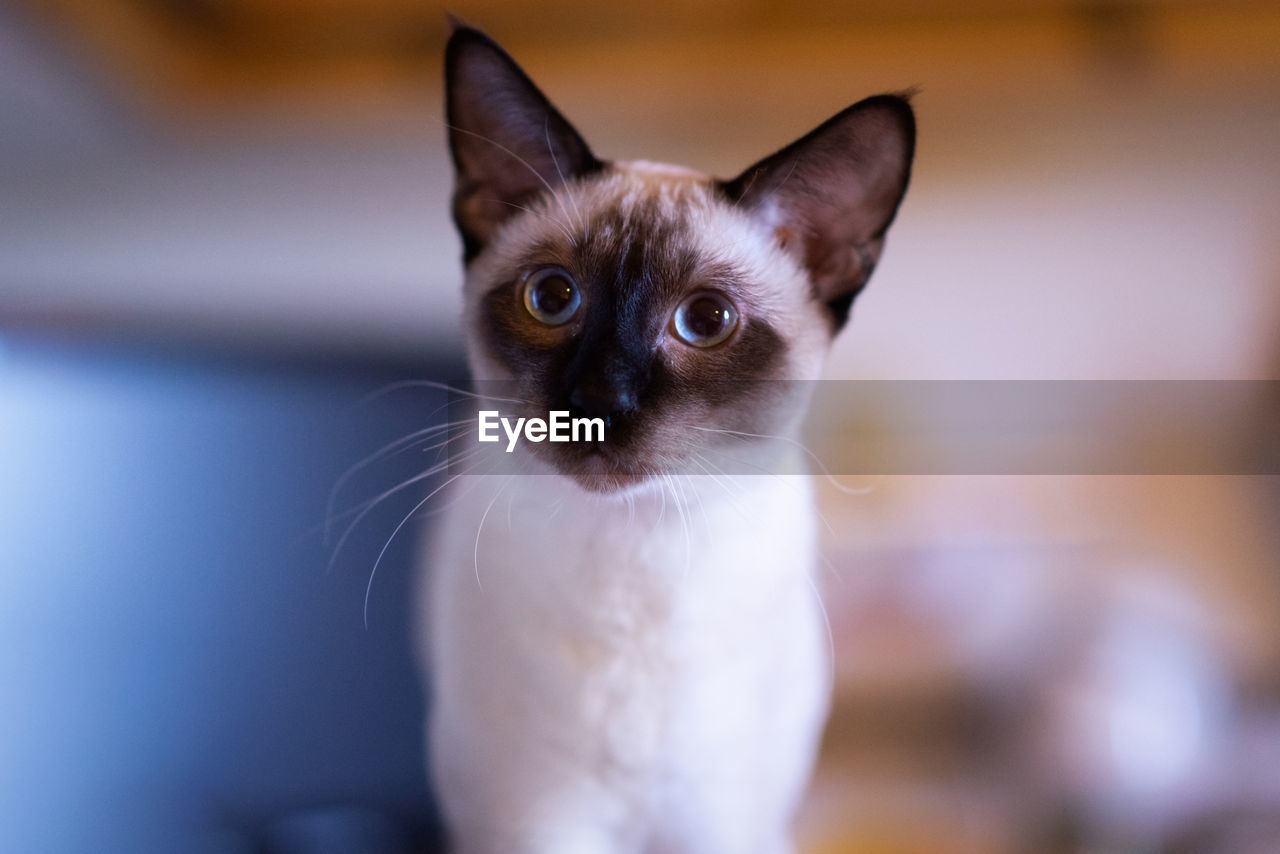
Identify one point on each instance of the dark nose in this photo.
(607, 400)
(606, 377)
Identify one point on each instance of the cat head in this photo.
(657, 297)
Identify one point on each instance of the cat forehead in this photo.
(644, 192)
(675, 210)
(649, 169)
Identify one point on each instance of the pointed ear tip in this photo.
(468, 50)
(895, 102)
(462, 35)
(896, 106)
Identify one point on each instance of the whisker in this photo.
(706, 466)
(568, 235)
(662, 510)
(699, 459)
(441, 447)
(546, 131)
(826, 621)
(848, 490)
(431, 384)
(682, 509)
(365, 507)
(390, 449)
(457, 494)
(480, 527)
(436, 467)
(784, 478)
(517, 157)
(697, 493)
(374, 502)
(368, 588)
(822, 517)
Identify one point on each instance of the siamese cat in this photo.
(625, 647)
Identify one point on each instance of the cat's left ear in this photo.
(509, 143)
(830, 196)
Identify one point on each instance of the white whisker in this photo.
(546, 132)
(517, 157)
(707, 466)
(368, 588)
(480, 528)
(669, 483)
(784, 478)
(435, 468)
(697, 493)
(848, 490)
(826, 621)
(374, 502)
(390, 449)
(662, 510)
(431, 384)
(568, 235)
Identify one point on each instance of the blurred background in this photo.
(223, 224)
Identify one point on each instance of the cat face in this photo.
(663, 300)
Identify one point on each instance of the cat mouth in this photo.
(599, 468)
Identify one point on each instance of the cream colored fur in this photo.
(630, 674)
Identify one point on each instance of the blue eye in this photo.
(551, 296)
(704, 319)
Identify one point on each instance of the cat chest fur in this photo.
(639, 649)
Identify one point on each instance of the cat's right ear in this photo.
(508, 142)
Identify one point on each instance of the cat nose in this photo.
(608, 402)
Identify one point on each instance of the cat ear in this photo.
(830, 196)
(508, 142)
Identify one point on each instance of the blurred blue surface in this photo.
(179, 670)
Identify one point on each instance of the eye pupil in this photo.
(551, 296)
(704, 320)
